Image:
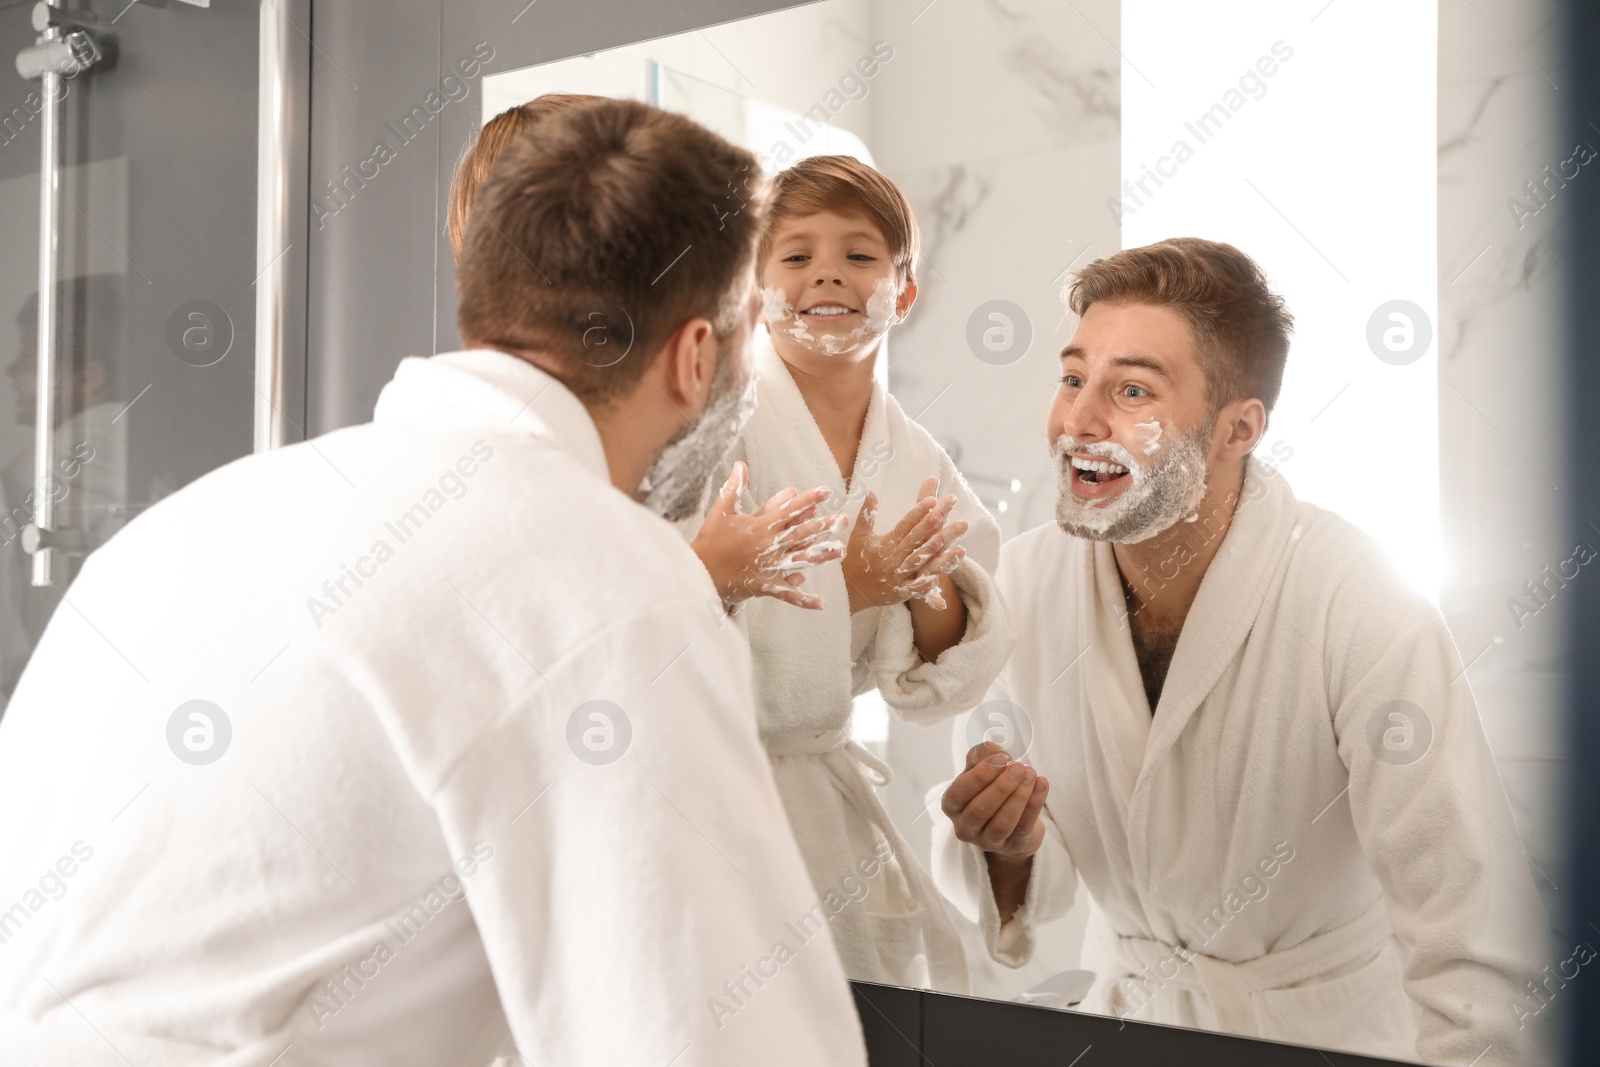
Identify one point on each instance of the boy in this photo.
(908, 610)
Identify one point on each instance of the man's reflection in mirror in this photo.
(88, 479)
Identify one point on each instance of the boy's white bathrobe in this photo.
(411, 850)
(810, 664)
(1272, 817)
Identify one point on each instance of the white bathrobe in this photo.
(810, 664)
(428, 636)
(1341, 867)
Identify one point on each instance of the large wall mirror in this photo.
(1395, 169)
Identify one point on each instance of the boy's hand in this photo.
(906, 562)
(767, 552)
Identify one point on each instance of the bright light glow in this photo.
(1305, 135)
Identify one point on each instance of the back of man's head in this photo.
(472, 170)
(601, 230)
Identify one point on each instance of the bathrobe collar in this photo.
(486, 387)
(1230, 599)
(779, 393)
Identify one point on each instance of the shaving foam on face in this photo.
(881, 307)
(1152, 440)
(781, 317)
(775, 304)
(678, 483)
(880, 314)
(1155, 499)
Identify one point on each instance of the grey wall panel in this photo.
(381, 278)
(370, 278)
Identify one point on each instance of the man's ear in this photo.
(1240, 425)
(687, 365)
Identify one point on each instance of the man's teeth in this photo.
(831, 309)
(1103, 466)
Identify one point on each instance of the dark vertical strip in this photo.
(922, 1029)
(439, 206)
(1582, 97)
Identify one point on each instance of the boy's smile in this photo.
(829, 309)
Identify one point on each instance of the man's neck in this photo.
(1161, 575)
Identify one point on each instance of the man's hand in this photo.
(908, 561)
(767, 552)
(995, 804)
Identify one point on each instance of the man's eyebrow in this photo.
(1151, 365)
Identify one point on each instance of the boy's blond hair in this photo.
(845, 186)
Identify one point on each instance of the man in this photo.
(1253, 743)
(427, 738)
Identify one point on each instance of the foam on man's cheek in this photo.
(1152, 436)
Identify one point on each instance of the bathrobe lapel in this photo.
(1230, 599)
(1134, 743)
(1119, 713)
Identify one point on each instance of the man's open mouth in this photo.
(1097, 471)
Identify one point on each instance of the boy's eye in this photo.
(863, 256)
(794, 257)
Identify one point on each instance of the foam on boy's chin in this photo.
(880, 315)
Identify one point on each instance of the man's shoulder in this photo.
(1354, 578)
(579, 529)
(1040, 559)
(528, 508)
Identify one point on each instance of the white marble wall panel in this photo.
(1505, 172)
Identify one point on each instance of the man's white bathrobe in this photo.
(891, 926)
(427, 635)
(1340, 866)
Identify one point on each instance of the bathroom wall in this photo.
(1501, 254)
